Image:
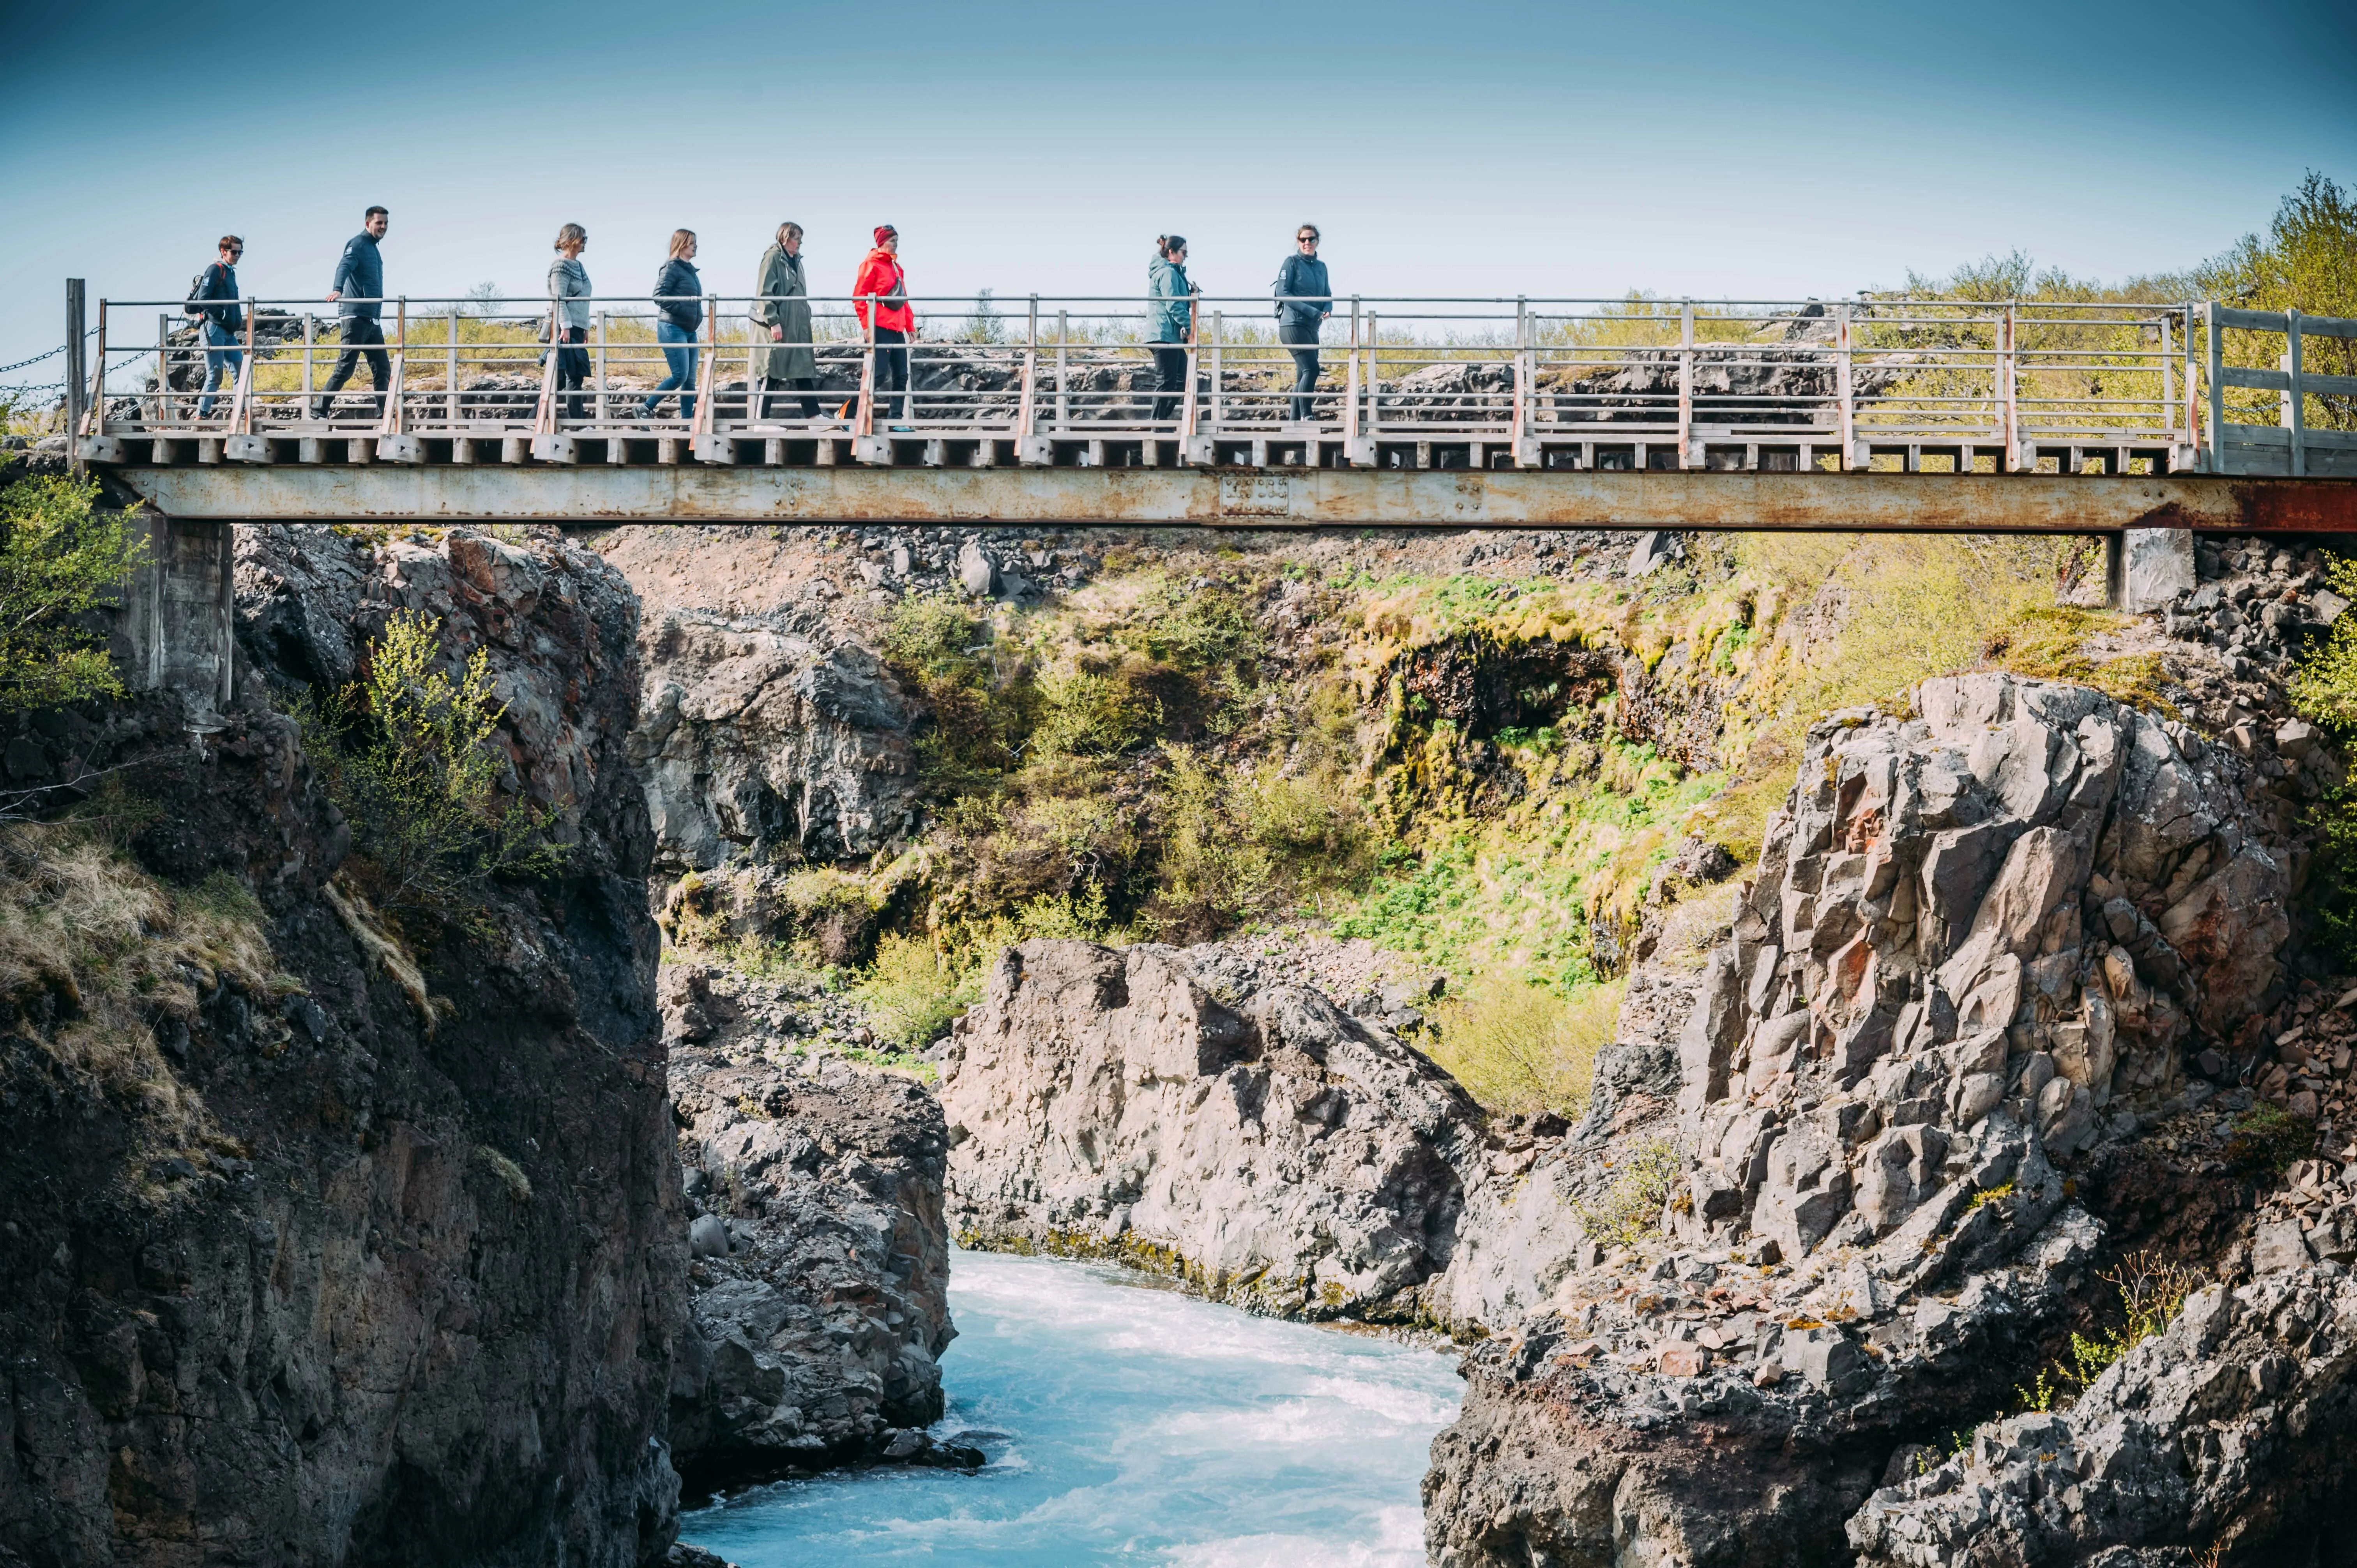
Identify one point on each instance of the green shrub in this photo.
(408, 753)
(2268, 1141)
(912, 992)
(60, 559)
(916, 987)
(2152, 1290)
(1088, 714)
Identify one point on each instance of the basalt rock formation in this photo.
(378, 1260)
(756, 742)
(820, 1283)
(1201, 1119)
(1983, 946)
(2230, 1429)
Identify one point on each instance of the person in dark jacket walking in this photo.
(679, 303)
(568, 318)
(222, 324)
(1303, 300)
(359, 289)
(1171, 318)
(885, 282)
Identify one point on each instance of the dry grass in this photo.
(1519, 1048)
(101, 953)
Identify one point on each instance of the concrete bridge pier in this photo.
(2143, 568)
(175, 628)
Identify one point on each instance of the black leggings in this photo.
(892, 373)
(802, 384)
(1169, 377)
(571, 371)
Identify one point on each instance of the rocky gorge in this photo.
(470, 1245)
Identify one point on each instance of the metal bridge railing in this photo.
(1478, 382)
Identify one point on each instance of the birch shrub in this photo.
(408, 753)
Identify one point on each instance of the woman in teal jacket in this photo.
(1171, 318)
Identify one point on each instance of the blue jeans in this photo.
(216, 359)
(682, 369)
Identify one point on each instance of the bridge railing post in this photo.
(2167, 379)
(2188, 455)
(1064, 403)
(73, 372)
(95, 415)
(1026, 409)
(1525, 383)
(2217, 365)
(1846, 402)
(1350, 390)
(2295, 398)
(2008, 369)
(1374, 378)
(1219, 400)
(1687, 457)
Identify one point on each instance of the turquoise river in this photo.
(1129, 1424)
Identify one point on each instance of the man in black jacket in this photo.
(360, 286)
(222, 324)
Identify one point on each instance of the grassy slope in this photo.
(1207, 741)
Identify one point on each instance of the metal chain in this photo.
(34, 360)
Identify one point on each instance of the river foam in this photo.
(1131, 1424)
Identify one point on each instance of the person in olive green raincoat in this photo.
(784, 310)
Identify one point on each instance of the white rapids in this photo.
(1130, 1425)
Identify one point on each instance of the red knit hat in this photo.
(886, 231)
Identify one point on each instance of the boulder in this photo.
(1268, 1148)
(755, 742)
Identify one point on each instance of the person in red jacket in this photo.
(882, 281)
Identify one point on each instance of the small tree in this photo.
(2325, 690)
(408, 753)
(60, 558)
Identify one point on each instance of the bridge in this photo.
(1640, 413)
(2141, 424)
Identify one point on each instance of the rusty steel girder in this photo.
(1247, 498)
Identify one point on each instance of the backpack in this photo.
(199, 291)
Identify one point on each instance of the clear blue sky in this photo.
(1688, 146)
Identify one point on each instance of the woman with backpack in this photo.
(1171, 320)
(883, 281)
(1303, 300)
(679, 306)
(784, 309)
(568, 318)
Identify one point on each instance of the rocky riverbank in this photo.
(818, 1293)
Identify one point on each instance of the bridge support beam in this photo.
(174, 628)
(1714, 499)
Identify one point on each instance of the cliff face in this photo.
(1982, 948)
(759, 742)
(353, 1246)
(1271, 1149)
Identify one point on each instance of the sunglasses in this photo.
(1305, 239)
